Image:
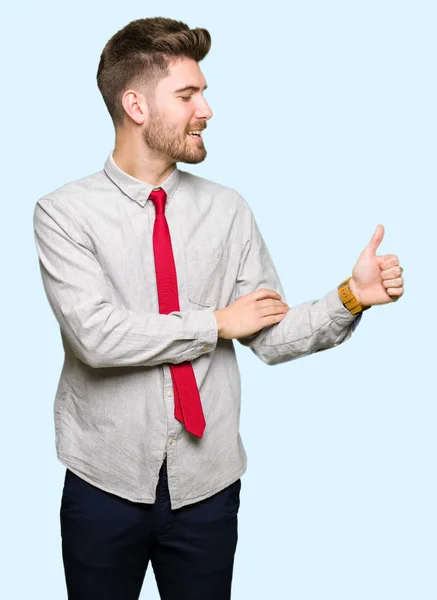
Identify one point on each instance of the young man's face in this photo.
(178, 111)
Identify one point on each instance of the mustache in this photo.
(198, 128)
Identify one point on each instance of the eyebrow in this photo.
(193, 88)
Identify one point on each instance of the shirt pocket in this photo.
(205, 268)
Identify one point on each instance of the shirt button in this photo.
(169, 393)
(205, 348)
(171, 441)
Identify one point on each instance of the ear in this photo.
(135, 106)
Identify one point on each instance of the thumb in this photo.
(376, 240)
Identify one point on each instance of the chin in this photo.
(193, 160)
(190, 158)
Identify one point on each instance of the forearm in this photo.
(115, 337)
(307, 328)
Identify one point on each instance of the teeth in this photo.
(194, 133)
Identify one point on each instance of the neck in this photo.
(132, 157)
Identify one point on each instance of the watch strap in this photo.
(348, 299)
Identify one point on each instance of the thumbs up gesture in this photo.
(376, 279)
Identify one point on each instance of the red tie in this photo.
(188, 408)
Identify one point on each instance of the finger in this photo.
(279, 303)
(393, 283)
(387, 261)
(272, 319)
(272, 310)
(376, 239)
(271, 302)
(392, 272)
(265, 293)
(395, 291)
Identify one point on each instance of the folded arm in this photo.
(100, 333)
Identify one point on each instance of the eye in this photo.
(185, 98)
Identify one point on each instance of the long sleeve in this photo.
(100, 333)
(308, 327)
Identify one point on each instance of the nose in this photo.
(204, 111)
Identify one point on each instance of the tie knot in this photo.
(158, 197)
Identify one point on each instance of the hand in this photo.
(376, 279)
(250, 314)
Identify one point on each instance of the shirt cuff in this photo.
(337, 310)
(208, 331)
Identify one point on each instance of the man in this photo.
(152, 272)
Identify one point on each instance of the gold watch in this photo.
(348, 299)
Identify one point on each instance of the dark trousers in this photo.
(107, 542)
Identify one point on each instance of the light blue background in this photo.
(325, 120)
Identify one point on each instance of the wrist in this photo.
(219, 325)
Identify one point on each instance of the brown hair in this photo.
(139, 55)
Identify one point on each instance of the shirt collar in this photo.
(135, 188)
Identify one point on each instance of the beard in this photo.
(178, 147)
